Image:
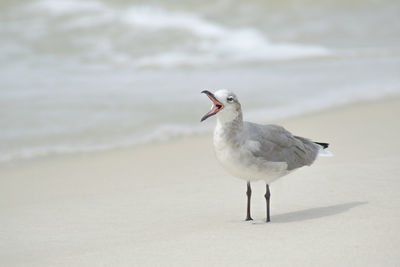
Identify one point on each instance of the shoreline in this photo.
(26, 161)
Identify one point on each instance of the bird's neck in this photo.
(229, 130)
(231, 117)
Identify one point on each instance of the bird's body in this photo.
(252, 151)
(241, 155)
(261, 152)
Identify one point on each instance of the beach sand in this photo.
(172, 204)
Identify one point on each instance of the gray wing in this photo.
(279, 145)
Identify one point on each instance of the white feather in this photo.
(324, 153)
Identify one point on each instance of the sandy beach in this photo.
(171, 204)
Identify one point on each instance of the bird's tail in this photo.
(322, 151)
(324, 145)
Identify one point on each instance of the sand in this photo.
(171, 204)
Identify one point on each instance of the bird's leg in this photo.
(267, 198)
(248, 193)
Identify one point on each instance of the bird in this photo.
(255, 152)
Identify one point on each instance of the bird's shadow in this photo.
(314, 213)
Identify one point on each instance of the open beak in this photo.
(216, 107)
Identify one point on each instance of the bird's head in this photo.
(225, 104)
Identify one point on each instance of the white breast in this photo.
(239, 161)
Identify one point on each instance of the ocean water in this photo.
(86, 75)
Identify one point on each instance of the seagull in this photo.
(253, 152)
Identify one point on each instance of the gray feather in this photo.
(279, 145)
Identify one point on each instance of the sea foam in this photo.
(202, 40)
(215, 43)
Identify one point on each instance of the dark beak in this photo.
(216, 107)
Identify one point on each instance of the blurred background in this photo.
(86, 75)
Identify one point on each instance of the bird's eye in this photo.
(230, 99)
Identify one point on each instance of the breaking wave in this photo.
(153, 36)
